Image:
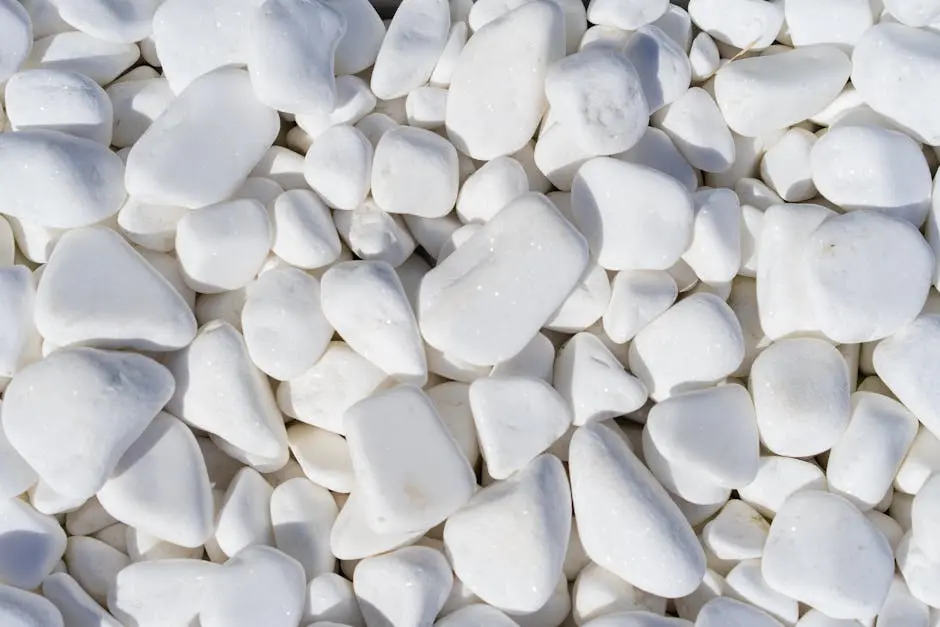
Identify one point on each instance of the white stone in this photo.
(786, 165)
(59, 100)
(923, 516)
(97, 290)
(696, 490)
(783, 303)
(508, 560)
(593, 382)
(801, 393)
(444, 69)
(900, 96)
(584, 305)
(810, 535)
(323, 455)
(16, 33)
(284, 326)
(633, 217)
(415, 171)
(919, 570)
(44, 179)
(409, 470)
(19, 343)
(597, 94)
(412, 45)
(426, 107)
(220, 391)
(628, 14)
(663, 66)
(94, 565)
(366, 304)
(559, 154)
(703, 58)
(354, 100)
(921, 462)
(178, 507)
(330, 597)
(598, 592)
(715, 251)
(772, 92)
(627, 522)
(223, 246)
(815, 618)
(696, 342)
(101, 61)
(867, 274)
(338, 380)
(302, 515)
(123, 22)
(142, 546)
(244, 514)
(365, 31)
(868, 167)
(338, 167)
(490, 188)
(76, 606)
(259, 586)
(725, 611)
(489, 298)
(201, 149)
(32, 543)
(152, 227)
(283, 166)
(637, 298)
(290, 49)
(162, 593)
(452, 401)
(738, 532)
(496, 95)
(373, 234)
(516, 418)
(695, 125)
(865, 460)
(777, 478)
(748, 24)
(19, 608)
(405, 587)
(352, 537)
(745, 583)
(304, 233)
(839, 22)
(476, 614)
(72, 415)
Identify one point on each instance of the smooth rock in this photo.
(628, 14)
(923, 514)
(354, 101)
(738, 532)
(352, 537)
(476, 614)
(715, 251)
(359, 46)
(405, 587)
(663, 67)
(645, 228)
(373, 234)
(304, 233)
(841, 22)
(772, 92)
(637, 619)
(302, 515)
(16, 33)
(31, 544)
(74, 414)
(152, 227)
(338, 167)
(746, 24)
(259, 586)
(489, 298)
(330, 597)
(777, 478)
(244, 513)
(696, 342)
(809, 537)
(787, 167)
(97, 290)
(122, 22)
(485, 192)
(19, 344)
(598, 592)
(496, 96)
(101, 61)
(415, 171)
(290, 48)
(19, 608)
(44, 179)
(694, 124)
(94, 565)
(412, 45)
(629, 525)
(78, 609)
(219, 390)
(409, 470)
(323, 456)
(655, 150)
(727, 612)
(163, 593)
(637, 298)
(507, 544)
(178, 506)
(201, 149)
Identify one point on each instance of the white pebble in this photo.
(101, 61)
(97, 290)
(839, 22)
(244, 514)
(516, 419)
(630, 526)
(923, 515)
(21, 340)
(750, 24)
(200, 150)
(489, 298)
(76, 606)
(223, 246)
(352, 536)
(768, 93)
(338, 167)
(497, 183)
(19, 608)
(496, 96)
(412, 45)
(703, 58)
(409, 470)
(865, 460)
(330, 597)
(598, 592)
(354, 100)
(16, 33)
(444, 69)
(777, 478)
(626, 14)
(259, 586)
(476, 614)
(32, 544)
(613, 205)
(426, 107)
(695, 125)
(920, 570)
(365, 31)
(637, 298)
(696, 342)
(72, 415)
(509, 561)
(94, 565)
(323, 456)
(867, 274)
(284, 326)
(219, 390)
(304, 233)
(786, 166)
(715, 251)
(290, 47)
(163, 593)
(811, 534)
(43, 179)
(415, 171)
(302, 514)
(724, 611)
(663, 66)
(738, 532)
(597, 94)
(404, 587)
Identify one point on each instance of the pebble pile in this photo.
(497, 313)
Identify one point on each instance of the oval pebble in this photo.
(663, 67)
(630, 526)
(405, 587)
(411, 47)
(302, 514)
(161, 593)
(31, 544)
(16, 33)
(19, 608)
